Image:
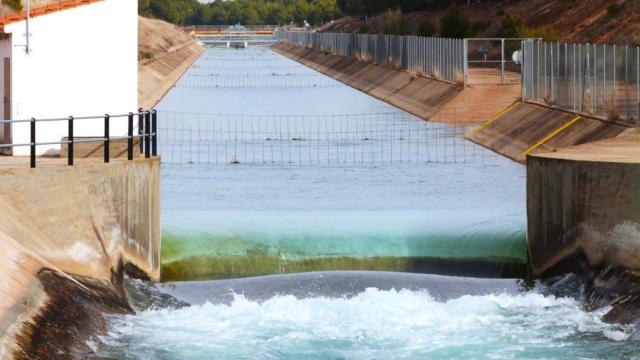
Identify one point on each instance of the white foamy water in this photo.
(374, 324)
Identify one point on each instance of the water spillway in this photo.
(284, 170)
(271, 189)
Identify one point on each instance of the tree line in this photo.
(278, 12)
(247, 12)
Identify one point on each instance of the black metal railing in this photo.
(147, 133)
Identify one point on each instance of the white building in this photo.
(82, 60)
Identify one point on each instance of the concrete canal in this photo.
(326, 178)
(275, 177)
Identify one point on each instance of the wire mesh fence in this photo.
(377, 138)
(249, 71)
(601, 80)
(439, 58)
(273, 80)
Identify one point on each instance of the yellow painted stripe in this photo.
(493, 119)
(551, 134)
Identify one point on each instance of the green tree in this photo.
(14, 4)
(395, 24)
(144, 7)
(323, 11)
(455, 24)
(166, 10)
(426, 28)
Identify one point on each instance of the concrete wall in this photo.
(417, 95)
(81, 222)
(584, 203)
(83, 61)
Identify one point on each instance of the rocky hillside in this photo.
(595, 21)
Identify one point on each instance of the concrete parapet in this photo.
(70, 233)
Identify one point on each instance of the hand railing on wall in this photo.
(147, 133)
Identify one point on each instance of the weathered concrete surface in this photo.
(583, 209)
(531, 128)
(426, 98)
(157, 77)
(420, 96)
(117, 148)
(483, 97)
(166, 52)
(67, 234)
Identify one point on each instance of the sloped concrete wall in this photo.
(159, 75)
(84, 225)
(525, 128)
(417, 95)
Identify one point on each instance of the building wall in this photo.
(83, 61)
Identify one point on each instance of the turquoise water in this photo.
(407, 322)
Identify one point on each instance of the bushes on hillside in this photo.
(395, 24)
(613, 10)
(427, 28)
(512, 27)
(14, 4)
(455, 24)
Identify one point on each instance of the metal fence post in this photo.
(106, 138)
(147, 134)
(466, 61)
(154, 132)
(141, 129)
(502, 61)
(70, 142)
(33, 143)
(613, 83)
(130, 137)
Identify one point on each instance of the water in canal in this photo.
(270, 168)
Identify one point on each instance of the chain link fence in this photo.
(600, 80)
(439, 58)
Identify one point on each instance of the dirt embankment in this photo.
(570, 20)
(165, 53)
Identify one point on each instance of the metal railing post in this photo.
(70, 142)
(141, 129)
(130, 137)
(33, 143)
(106, 138)
(154, 132)
(147, 134)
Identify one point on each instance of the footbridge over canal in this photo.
(235, 36)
